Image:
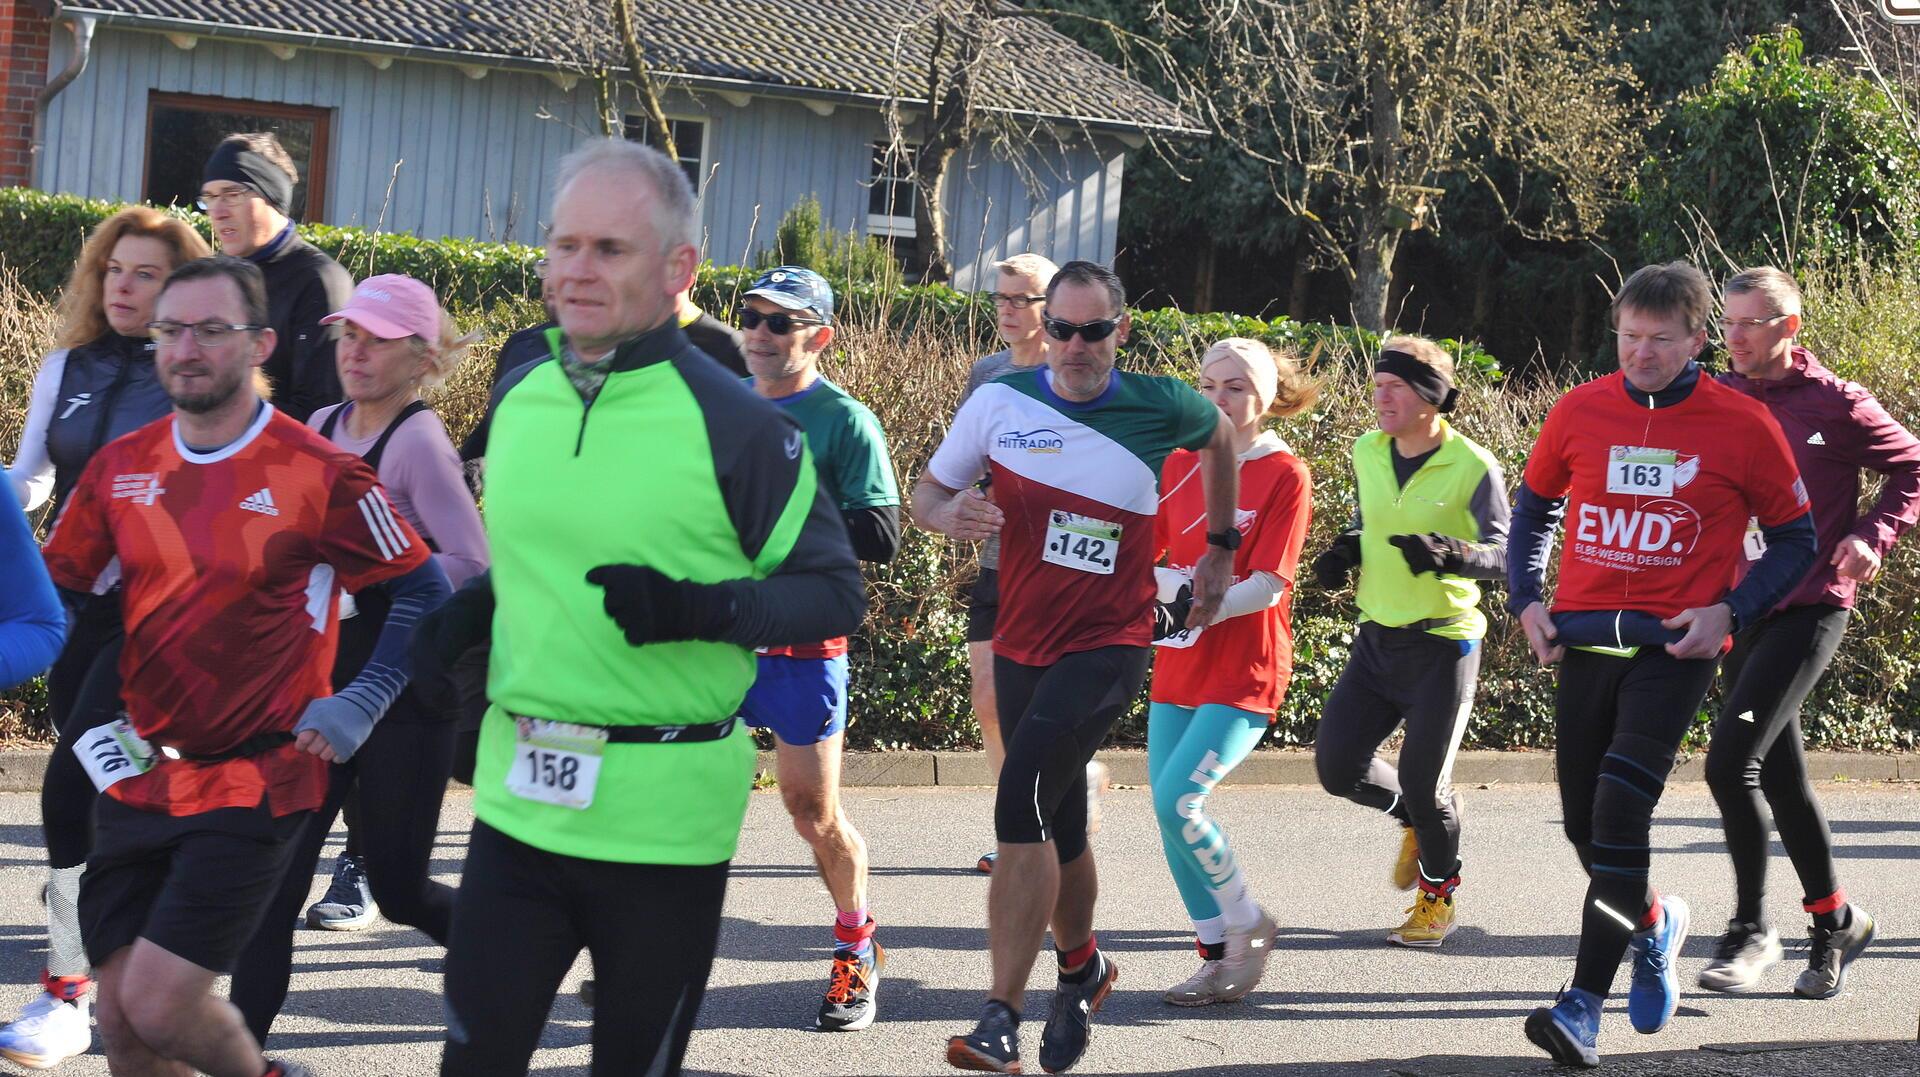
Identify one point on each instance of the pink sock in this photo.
(853, 931)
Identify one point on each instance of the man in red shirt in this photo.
(1657, 470)
(234, 528)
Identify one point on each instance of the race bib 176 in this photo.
(113, 752)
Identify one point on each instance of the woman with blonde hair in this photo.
(395, 341)
(98, 384)
(1216, 690)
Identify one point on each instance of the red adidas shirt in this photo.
(231, 564)
(1244, 662)
(1658, 498)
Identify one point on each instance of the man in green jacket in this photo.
(1431, 520)
(652, 522)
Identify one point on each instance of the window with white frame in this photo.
(890, 191)
(689, 140)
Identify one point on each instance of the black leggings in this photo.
(1618, 723)
(523, 915)
(1052, 719)
(1757, 760)
(83, 691)
(401, 773)
(1399, 675)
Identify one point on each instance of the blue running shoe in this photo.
(992, 1047)
(1570, 1030)
(1655, 993)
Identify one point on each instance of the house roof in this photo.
(854, 50)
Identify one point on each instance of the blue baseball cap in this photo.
(796, 288)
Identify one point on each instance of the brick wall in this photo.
(26, 38)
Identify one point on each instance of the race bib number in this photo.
(113, 752)
(1642, 472)
(1756, 542)
(1182, 639)
(1168, 583)
(1081, 543)
(555, 762)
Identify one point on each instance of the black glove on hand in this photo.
(1431, 552)
(1331, 568)
(463, 621)
(651, 607)
(1171, 617)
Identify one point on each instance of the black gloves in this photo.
(651, 607)
(1171, 617)
(1431, 552)
(462, 622)
(1331, 568)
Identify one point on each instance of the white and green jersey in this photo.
(1079, 484)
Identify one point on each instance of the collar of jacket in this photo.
(1680, 388)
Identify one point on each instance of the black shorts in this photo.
(194, 885)
(983, 606)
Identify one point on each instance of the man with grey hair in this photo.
(653, 521)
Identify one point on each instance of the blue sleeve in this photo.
(347, 717)
(1536, 520)
(33, 625)
(1790, 551)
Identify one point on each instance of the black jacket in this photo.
(108, 387)
(303, 286)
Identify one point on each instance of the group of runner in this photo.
(277, 611)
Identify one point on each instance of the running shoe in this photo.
(1655, 992)
(1570, 1031)
(48, 1031)
(992, 1047)
(1070, 1019)
(1429, 922)
(850, 1005)
(348, 903)
(1830, 952)
(987, 859)
(1246, 960)
(1200, 989)
(1406, 866)
(1745, 953)
(284, 1068)
(1098, 780)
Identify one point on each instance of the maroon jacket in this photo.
(1836, 428)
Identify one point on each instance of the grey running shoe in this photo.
(1745, 953)
(1070, 1020)
(1200, 989)
(1831, 953)
(1246, 960)
(992, 1047)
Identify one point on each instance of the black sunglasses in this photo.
(1091, 332)
(777, 324)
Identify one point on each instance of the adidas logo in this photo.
(260, 501)
(1816, 439)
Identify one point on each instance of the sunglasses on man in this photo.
(778, 324)
(1091, 332)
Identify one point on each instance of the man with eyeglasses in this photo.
(800, 693)
(1020, 288)
(652, 521)
(234, 528)
(1074, 450)
(1656, 470)
(1755, 761)
(247, 193)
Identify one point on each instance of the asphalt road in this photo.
(1337, 1000)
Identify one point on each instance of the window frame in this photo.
(892, 226)
(321, 150)
(628, 120)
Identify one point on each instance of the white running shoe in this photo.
(48, 1032)
(1200, 989)
(1246, 960)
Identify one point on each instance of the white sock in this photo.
(1211, 932)
(1237, 908)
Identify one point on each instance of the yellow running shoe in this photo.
(1429, 923)
(1406, 870)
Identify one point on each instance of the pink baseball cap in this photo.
(391, 306)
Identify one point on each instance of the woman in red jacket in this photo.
(1215, 690)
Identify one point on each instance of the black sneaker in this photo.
(348, 903)
(1070, 1020)
(1830, 952)
(992, 1047)
(849, 1005)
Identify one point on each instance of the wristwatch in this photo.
(1226, 540)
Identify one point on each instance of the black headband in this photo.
(235, 163)
(1427, 381)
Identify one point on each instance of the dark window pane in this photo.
(183, 138)
(688, 136)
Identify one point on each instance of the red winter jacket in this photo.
(1836, 428)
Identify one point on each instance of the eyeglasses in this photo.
(205, 334)
(228, 198)
(777, 324)
(1728, 325)
(1017, 302)
(1091, 332)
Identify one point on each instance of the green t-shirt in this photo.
(848, 445)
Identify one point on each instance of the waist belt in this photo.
(663, 734)
(257, 744)
(1427, 625)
